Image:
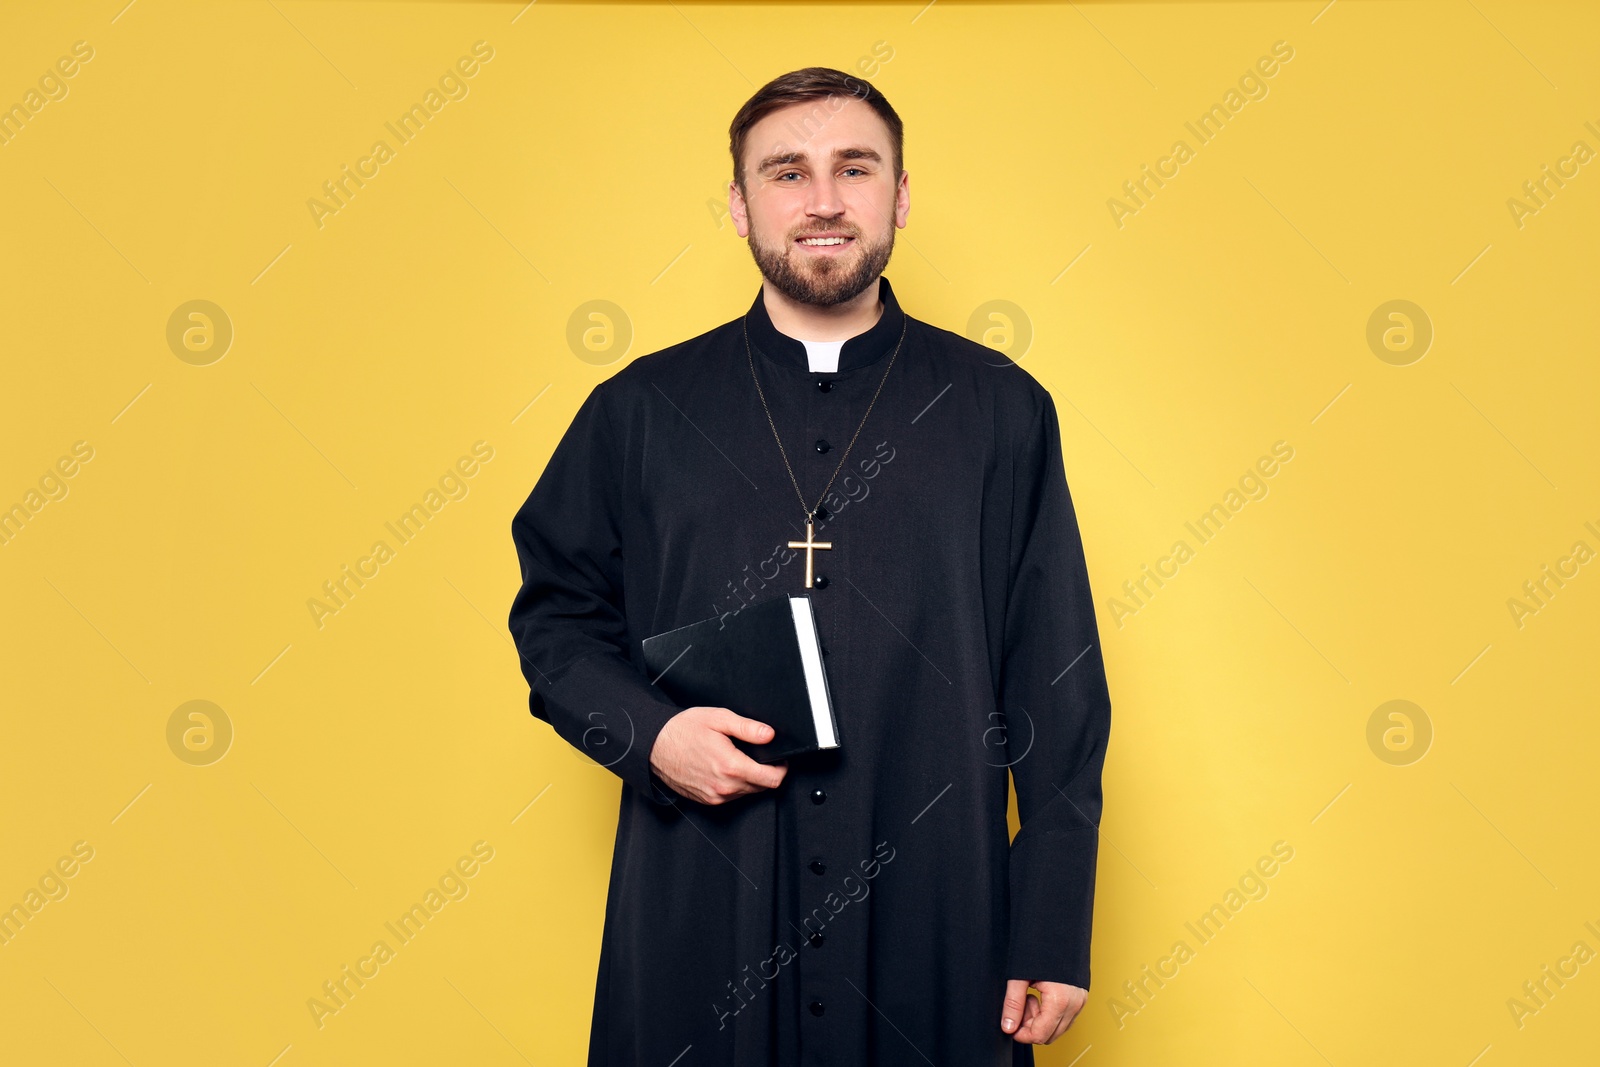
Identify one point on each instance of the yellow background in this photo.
(587, 162)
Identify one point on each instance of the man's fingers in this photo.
(746, 774)
(1011, 1011)
(752, 730)
(1033, 1022)
(696, 755)
(1074, 1005)
(1059, 1004)
(1043, 1018)
(767, 776)
(1051, 1023)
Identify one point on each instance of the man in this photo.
(862, 905)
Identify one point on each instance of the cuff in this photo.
(608, 711)
(1052, 905)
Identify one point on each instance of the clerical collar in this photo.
(862, 350)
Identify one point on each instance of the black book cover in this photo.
(764, 663)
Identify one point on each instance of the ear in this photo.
(902, 199)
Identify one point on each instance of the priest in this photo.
(865, 905)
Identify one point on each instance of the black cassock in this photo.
(869, 910)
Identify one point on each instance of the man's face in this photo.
(820, 169)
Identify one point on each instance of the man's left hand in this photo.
(1043, 1018)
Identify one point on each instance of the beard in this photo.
(822, 281)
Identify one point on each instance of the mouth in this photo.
(825, 244)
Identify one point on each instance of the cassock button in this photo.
(820, 581)
(826, 387)
(822, 514)
(817, 1007)
(816, 940)
(818, 796)
(825, 651)
(818, 867)
(822, 445)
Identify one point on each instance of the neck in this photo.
(808, 322)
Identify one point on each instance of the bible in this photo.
(764, 663)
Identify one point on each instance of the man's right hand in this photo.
(693, 755)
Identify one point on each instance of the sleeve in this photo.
(1058, 715)
(567, 619)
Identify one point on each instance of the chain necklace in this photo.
(810, 544)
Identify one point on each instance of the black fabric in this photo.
(870, 909)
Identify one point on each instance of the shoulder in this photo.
(671, 367)
(1017, 399)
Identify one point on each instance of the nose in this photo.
(823, 198)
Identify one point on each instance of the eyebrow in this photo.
(783, 159)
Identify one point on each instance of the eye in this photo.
(856, 169)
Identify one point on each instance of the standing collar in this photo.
(862, 350)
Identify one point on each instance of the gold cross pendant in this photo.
(808, 544)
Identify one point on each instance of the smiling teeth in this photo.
(823, 240)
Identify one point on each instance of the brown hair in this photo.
(810, 83)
